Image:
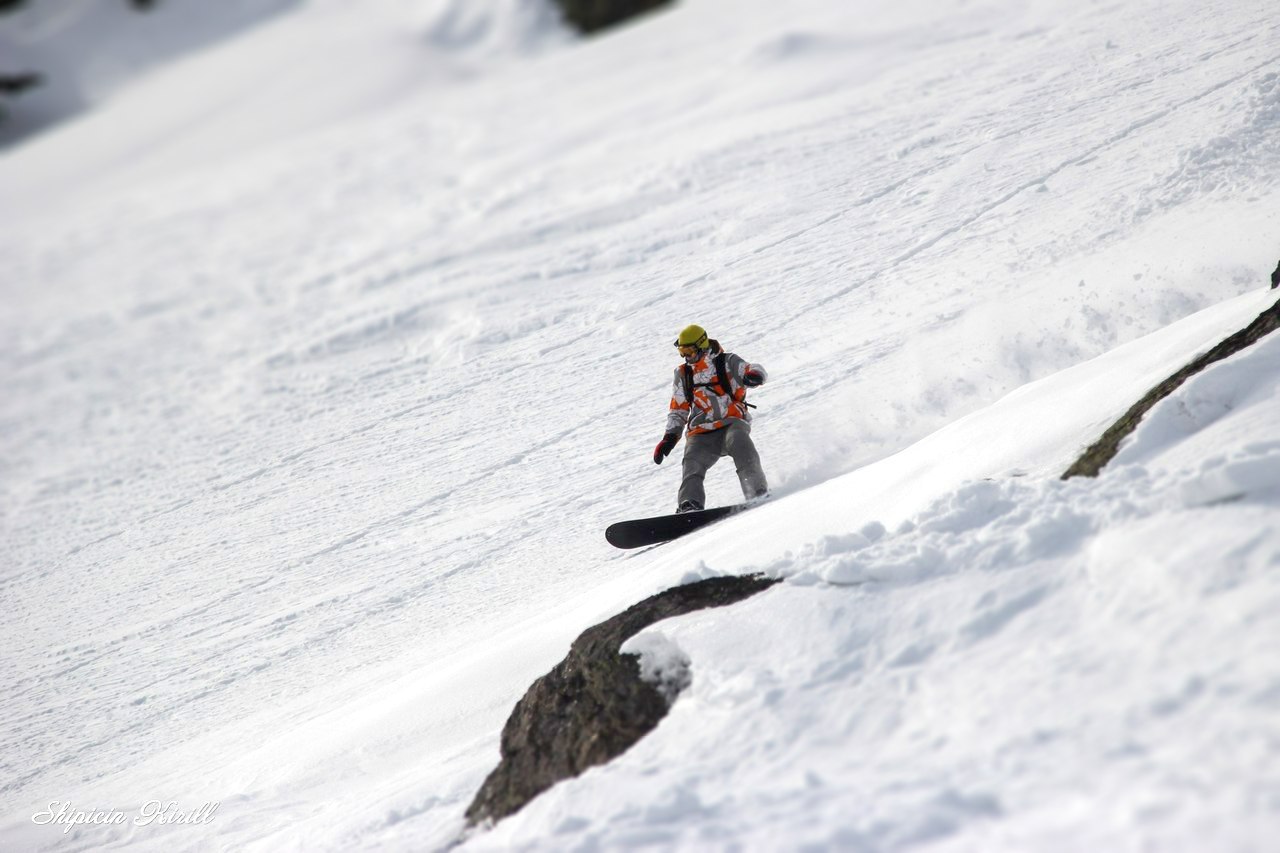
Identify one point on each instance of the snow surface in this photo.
(319, 390)
(86, 50)
(1024, 664)
(662, 663)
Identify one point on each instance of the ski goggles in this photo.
(693, 348)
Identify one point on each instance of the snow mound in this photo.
(662, 663)
(491, 27)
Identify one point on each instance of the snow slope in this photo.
(86, 50)
(317, 397)
(299, 73)
(1023, 664)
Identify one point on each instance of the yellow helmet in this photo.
(692, 336)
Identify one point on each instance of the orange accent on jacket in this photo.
(712, 407)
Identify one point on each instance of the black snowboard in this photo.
(663, 528)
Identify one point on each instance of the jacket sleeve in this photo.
(738, 367)
(678, 412)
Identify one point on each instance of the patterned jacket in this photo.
(712, 407)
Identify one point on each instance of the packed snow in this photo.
(662, 663)
(331, 349)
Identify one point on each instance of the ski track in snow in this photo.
(305, 409)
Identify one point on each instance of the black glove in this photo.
(665, 447)
(752, 378)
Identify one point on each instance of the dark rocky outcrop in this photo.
(1095, 458)
(593, 705)
(15, 84)
(588, 16)
(1275, 277)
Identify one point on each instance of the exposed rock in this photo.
(1095, 458)
(14, 84)
(591, 15)
(593, 705)
(1275, 277)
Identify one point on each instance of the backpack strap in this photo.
(686, 374)
(722, 373)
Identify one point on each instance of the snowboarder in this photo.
(709, 398)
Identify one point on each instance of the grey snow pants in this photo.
(705, 449)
